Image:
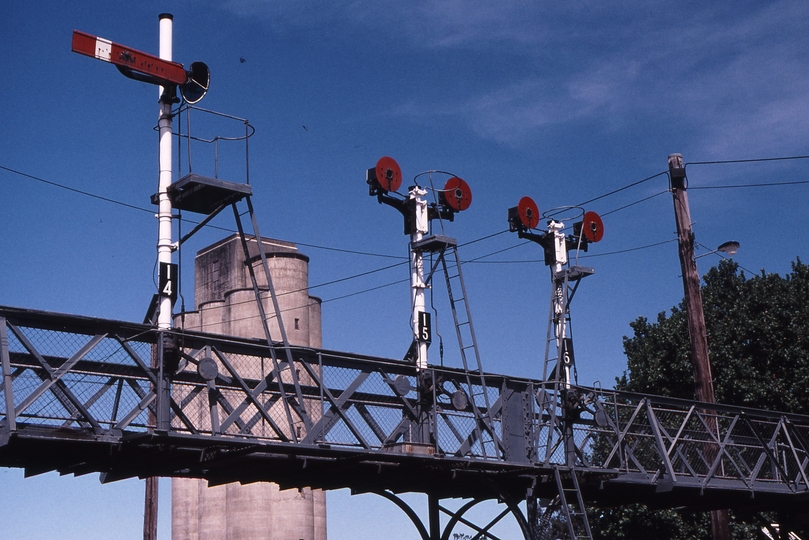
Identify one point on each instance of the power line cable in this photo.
(74, 190)
(483, 238)
(350, 251)
(633, 184)
(720, 254)
(751, 160)
(613, 192)
(763, 184)
(151, 211)
(272, 316)
(474, 260)
(477, 261)
(624, 207)
(628, 249)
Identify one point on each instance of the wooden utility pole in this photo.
(151, 491)
(703, 381)
(150, 509)
(693, 298)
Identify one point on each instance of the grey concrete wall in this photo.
(226, 304)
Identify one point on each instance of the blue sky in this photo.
(563, 103)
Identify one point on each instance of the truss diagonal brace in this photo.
(787, 425)
(253, 398)
(661, 447)
(338, 406)
(55, 377)
(69, 401)
(8, 391)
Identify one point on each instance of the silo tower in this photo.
(226, 304)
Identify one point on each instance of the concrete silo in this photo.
(226, 304)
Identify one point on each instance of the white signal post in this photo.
(165, 246)
(556, 228)
(169, 75)
(421, 226)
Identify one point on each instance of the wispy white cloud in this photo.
(727, 73)
(424, 23)
(730, 83)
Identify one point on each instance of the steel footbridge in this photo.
(82, 395)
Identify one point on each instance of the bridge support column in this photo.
(167, 356)
(435, 523)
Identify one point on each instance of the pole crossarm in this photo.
(77, 396)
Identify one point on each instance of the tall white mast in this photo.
(164, 235)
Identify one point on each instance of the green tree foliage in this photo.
(758, 341)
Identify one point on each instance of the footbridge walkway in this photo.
(81, 395)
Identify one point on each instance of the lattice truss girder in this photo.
(77, 379)
(106, 384)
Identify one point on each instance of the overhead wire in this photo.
(533, 261)
(624, 207)
(152, 212)
(590, 255)
(479, 258)
(319, 301)
(765, 184)
(79, 191)
(749, 160)
(476, 259)
(720, 254)
(362, 274)
(613, 192)
(483, 238)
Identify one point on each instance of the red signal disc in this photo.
(457, 194)
(388, 173)
(593, 227)
(529, 212)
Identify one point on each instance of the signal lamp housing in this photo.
(199, 79)
(456, 195)
(524, 216)
(386, 176)
(592, 227)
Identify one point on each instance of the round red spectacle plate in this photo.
(457, 194)
(528, 211)
(593, 227)
(388, 173)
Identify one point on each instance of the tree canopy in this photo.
(758, 342)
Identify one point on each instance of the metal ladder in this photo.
(298, 405)
(210, 196)
(462, 316)
(565, 284)
(576, 515)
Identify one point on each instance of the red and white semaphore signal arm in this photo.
(163, 72)
(193, 84)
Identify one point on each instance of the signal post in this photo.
(169, 76)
